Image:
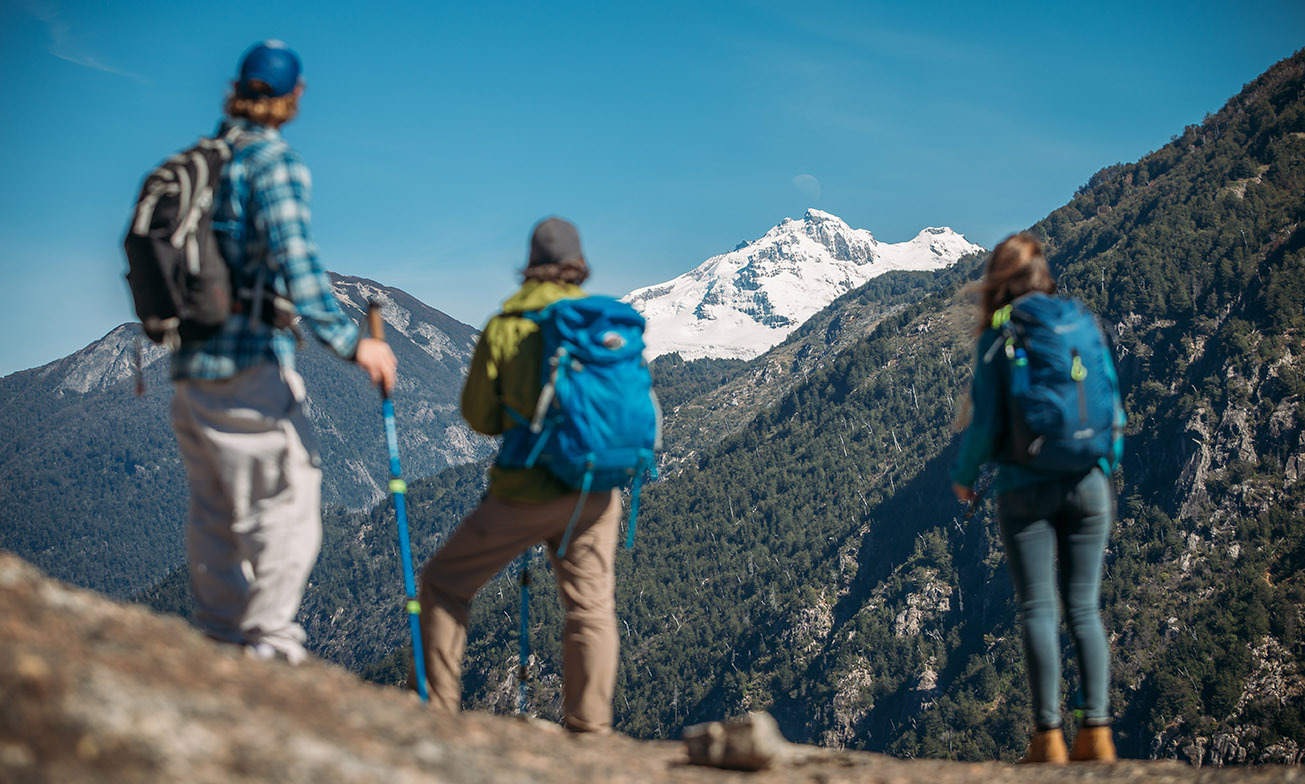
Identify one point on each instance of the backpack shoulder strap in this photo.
(1010, 334)
(996, 347)
(521, 420)
(529, 315)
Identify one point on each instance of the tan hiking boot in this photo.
(1047, 746)
(1093, 744)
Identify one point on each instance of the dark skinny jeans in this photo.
(1068, 520)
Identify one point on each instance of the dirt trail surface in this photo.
(93, 691)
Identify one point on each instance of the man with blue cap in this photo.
(254, 526)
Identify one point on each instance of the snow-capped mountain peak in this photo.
(741, 303)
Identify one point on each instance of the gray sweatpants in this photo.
(254, 526)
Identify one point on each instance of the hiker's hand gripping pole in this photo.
(399, 490)
(376, 358)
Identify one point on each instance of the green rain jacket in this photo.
(505, 373)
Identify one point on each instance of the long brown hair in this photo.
(1017, 266)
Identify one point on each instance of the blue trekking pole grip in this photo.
(399, 490)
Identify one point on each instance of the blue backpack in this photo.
(1061, 384)
(597, 422)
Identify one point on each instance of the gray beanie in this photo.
(554, 241)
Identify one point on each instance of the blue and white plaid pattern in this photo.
(276, 241)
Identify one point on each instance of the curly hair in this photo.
(264, 110)
(573, 271)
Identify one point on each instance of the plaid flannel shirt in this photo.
(262, 222)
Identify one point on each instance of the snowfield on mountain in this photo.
(741, 303)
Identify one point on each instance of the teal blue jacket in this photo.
(989, 423)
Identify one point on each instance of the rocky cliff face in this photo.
(1276, 677)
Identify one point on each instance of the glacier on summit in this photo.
(741, 303)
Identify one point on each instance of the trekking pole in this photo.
(399, 489)
(524, 647)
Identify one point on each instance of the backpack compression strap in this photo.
(580, 505)
(540, 424)
(647, 466)
(550, 389)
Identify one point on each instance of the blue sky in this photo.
(438, 133)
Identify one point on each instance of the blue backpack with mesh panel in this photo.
(1061, 384)
(597, 423)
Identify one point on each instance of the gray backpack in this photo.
(179, 281)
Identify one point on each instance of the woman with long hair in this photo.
(1051, 513)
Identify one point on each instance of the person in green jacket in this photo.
(526, 506)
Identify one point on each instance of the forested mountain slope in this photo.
(700, 414)
(92, 489)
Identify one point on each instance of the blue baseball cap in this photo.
(269, 70)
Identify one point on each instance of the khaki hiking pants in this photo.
(254, 526)
(485, 542)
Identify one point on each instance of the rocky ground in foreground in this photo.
(93, 690)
